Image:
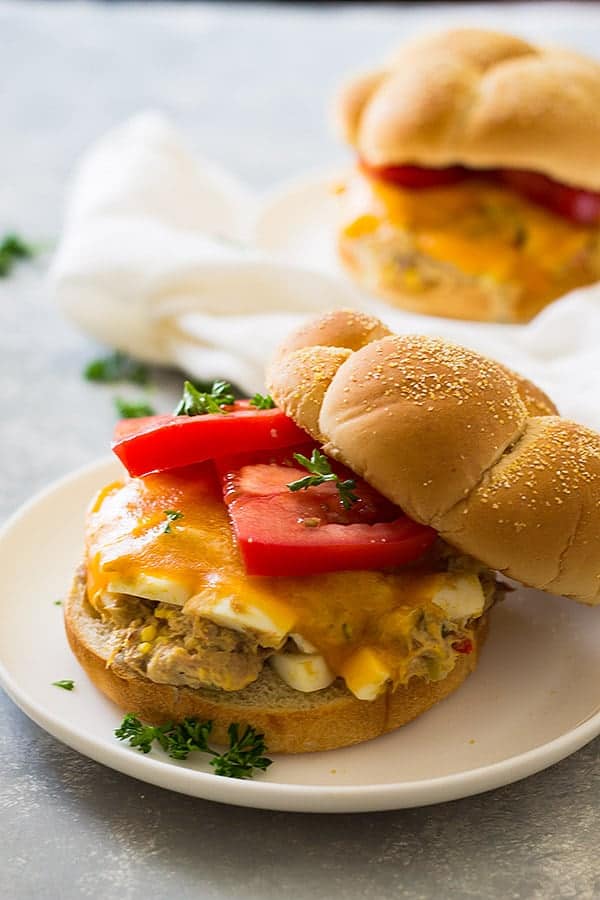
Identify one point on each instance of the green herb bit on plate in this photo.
(245, 754)
(66, 684)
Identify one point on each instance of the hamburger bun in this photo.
(481, 99)
(458, 442)
(479, 249)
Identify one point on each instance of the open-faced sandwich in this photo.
(476, 192)
(321, 565)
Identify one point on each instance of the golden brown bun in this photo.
(481, 99)
(443, 289)
(291, 721)
(447, 291)
(461, 443)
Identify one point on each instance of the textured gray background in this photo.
(248, 84)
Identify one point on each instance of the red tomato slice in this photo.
(158, 443)
(280, 532)
(417, 177)
(580, 206)
(576, 204)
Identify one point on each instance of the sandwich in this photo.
(476, 190)
(321, 563)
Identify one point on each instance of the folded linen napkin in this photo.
(156, 259)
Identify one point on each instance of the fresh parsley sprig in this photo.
(199, 403)
(320, 469)
(12, 249)
(133, 410)
(117, 366)
(260, 401)
(245, 754)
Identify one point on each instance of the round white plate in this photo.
(534, 699)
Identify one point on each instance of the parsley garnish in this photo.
(57, 602)
(245, 751)
(320, 469)
(199, 403)
(66, 684)
(12, 249)
(262, 402)
(172, 516)
(129, 410)
(245, 754)
(118, 366)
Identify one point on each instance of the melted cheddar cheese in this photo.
(359, 623)
(482, 229)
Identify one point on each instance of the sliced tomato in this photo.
(417, 177)
(158, 443)
(575, 204)
(280, 532)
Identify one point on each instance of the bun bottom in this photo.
(291, 721)
(443, 290)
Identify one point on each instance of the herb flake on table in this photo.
(13, 248)
(244, 755)
(128, 409)
(117, 366)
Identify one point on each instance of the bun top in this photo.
(480, 99)
(457, 441)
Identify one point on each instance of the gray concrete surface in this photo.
(248, 84)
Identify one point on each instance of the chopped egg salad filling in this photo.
(406, 239)
(183, 611)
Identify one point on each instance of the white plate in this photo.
(533, 700)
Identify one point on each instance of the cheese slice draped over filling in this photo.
(481, 228)
(368, 627)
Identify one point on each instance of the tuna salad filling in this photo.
(172, 644)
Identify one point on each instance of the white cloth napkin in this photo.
(155, 259)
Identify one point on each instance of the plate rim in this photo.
(280, 795)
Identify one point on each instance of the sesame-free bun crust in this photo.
(291, 721)
(461, 443)
(481, 99)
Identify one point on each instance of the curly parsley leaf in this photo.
(12, 249)
(138, 734)
(319, 467)
(66, 684)
(245, 753)
(133, 410)
(117, 366)
(262, 402)
(198, 403)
